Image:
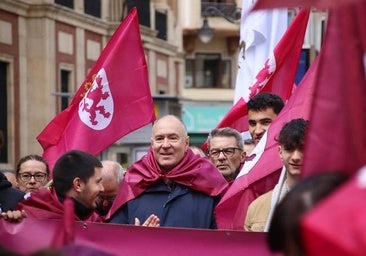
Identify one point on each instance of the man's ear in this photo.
(280, 151)
(187, 143)
(77, 184)
(243, 157)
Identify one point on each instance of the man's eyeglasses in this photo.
(26, 176)
(228, 152)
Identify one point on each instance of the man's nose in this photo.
(258, 129)
(166, 142)
(32, 180)
(221, 155)
(297, 155)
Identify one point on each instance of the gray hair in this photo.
(226, 132)
(118, 170)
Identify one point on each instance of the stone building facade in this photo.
(48, 46)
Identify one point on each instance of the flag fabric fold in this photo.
(66, 233)
(343, 231)
(337, 141)
(338, 115)
(262, 177)
(113, 100)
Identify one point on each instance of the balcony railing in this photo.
(229, 11)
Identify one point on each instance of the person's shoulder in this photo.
(262, 199)
(9, 198)
(257, 213)
(12, 192)
(16, 192)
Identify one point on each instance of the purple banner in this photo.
(31, 235)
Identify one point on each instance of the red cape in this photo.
(44, 204)
(193, 171)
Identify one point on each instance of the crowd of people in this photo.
(174, 185)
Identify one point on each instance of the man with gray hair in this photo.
(226, 151)
(112, 175)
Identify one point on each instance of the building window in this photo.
(65, 82)
(224, 7)
(67, 3)
(143, 10)
(3, 113)
(122, 159)
(138, 153)
(93, 8)
(208, 71)
(161, 25)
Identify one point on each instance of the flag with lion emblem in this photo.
(114, 99)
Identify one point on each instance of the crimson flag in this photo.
(114, 99)
(264, 4)
(66, 233)
(277, 75)
(264, 174)
(343, 231)
(337, 136)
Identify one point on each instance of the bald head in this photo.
(112, 171)
(170, 121)
(112, 175)
(169, 142)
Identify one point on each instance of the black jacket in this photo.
(9, 196)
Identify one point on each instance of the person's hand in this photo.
(14, 216)
(151, 221)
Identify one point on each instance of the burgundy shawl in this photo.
(44, 204)
(193, 171)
